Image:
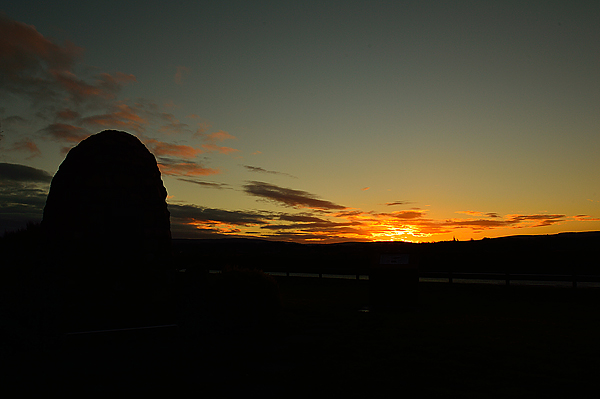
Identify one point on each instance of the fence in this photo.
(452, 276)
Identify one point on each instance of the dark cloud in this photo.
(300, 218)
(181, 167)
(14, 120)
(413, 214)
(23, 192)
(65, 132)
(288, 197)
(218, 186)
(397, 203)
(257, 169)
(21, 173)
(511, 221)
(542, 220)
(198, 213)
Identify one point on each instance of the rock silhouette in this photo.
(106, 219)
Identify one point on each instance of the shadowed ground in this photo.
(467, 340)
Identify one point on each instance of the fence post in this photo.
(450, 276)
(574, 277)
(507, 278)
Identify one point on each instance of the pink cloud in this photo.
(23, 48)
(122, 117)
(216, 148)
(28, 146)
(160, 148)
(218, 136)
(34, 66)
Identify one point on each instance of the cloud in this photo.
(172, 167)
(14, 120)
(585, 218)
(199, 213)
(21, 173)
(23, 192)
(288, 197)
(540, 220)
(27, 145)
(304, 218)
(173, 126)
(20, 204)
(30, 62)
(365, 188)
(180, 73)
(397, 203)
(218, 186)
(414, 214)
(65, 132)
(471, 213)
(122, 116)
(160, 148)
(216, 148)
(257, 169)
(201, 127)
(217, 136)
(67, 114)
(44, 72)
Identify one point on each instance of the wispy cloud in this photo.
(172, 126)
(122, 116)
(219, 149)
(179, 167)
(217, 136)
(397, 203)
(288, 196)
(67, 115)
(206, 184)
(65, 132)
(22, 173)
(27, 145)
(256, 169)
(161, 149)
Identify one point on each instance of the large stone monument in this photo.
(106, 218)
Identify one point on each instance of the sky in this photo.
(317, 121)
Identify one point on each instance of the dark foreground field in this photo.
(468, 340)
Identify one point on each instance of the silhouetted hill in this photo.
(557, 253)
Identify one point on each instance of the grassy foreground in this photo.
(462, 340)
(468, 340)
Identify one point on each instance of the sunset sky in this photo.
(317, 121)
